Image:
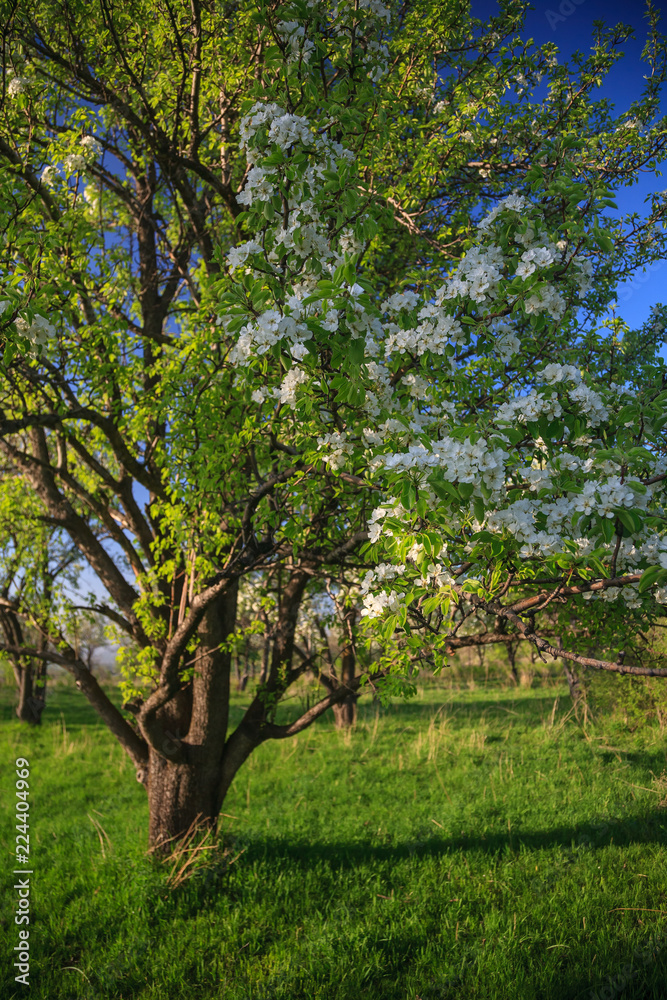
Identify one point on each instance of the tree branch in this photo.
(528, 632)
(271, 731)
(132, 743)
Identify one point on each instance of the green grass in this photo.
(467, 844)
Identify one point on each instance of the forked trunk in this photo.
(191, 728)
(186, 791)
(182, 796)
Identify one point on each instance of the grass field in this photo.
(466, 844)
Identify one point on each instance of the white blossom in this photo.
(287, 391)
(74, 162)
(39, 331)
(237, 256)
(17, 85)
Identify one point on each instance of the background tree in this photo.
(229, 351)
(330, 642)
(38, 576)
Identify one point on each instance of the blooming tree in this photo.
(298, 293)
(503, 470)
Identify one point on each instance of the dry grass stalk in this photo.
(191, 852)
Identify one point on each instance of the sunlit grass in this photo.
(467, 844)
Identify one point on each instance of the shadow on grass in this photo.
(573, 977)
(620, 976)
(525, 705)
(650, 829)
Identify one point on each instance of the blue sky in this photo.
(569, 24)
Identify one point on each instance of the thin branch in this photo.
(272, 731)
(529, 633)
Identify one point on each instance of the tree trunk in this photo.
(183, 792)
(345, 713)
(179, 795)
(574, 684)
(242, 680)
(192, 762)
(266, 655)
(510, 649)
(30, 681)
(32, 688)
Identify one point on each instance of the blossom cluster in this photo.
(87, 149)
(38, 331)
(299, 48)
(538, 499)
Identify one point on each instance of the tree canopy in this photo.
(295, 293)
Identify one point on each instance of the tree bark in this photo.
(266, 656)
(573, 681)
(511, 656)
(242, 679)
(178, 797)
(31, 681)
(574, 684)
(345, 714)
(192, 760)
(184, 792)
(31, 693)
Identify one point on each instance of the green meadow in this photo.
(464, 844)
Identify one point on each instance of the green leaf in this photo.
(649, 578)
(430, 605)
(357, 351)
(630, 520)
(409, 495)
(606, 528)
(484, 536)
(641, 453)
(422, 506)
(436, 542)
(514, 434)
(350, 272)
(443, 489)
(603, 240)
